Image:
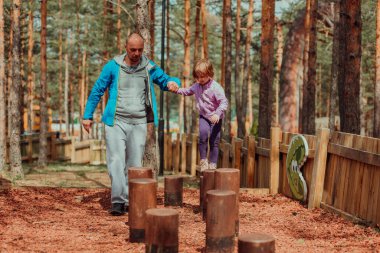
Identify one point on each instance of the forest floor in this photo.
(65, 208)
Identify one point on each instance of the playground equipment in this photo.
(173, 191)
(220, 221)
(161, 230)
(256, 243)
(229, 179)
(138, 205)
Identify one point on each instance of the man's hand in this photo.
(87, 123)
(172, 86)
(214, 119)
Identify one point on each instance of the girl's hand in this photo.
(173, 86)
(214, 119)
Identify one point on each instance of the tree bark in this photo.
(334, 66)
(60, 73)
(118, 27)
(266, 68)
(204, 30)
(152, 4)
(349, 71)
(310, 54)
(3, 133)
(194, 111)
(167, 94)
(14, 126)
(279, 54)
(186, 64)
(228, 68)
(238, 85)
(66, 97)
(376, 121)
(42, 158)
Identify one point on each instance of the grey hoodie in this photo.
(130, 106)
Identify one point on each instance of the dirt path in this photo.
(44, 219)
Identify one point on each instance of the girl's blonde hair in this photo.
(203, 67)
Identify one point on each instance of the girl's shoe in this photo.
(212, 166)
(203, 164)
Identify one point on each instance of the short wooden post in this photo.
(251, 161)
(73, 151)
(226, 155)
(238, 144)
(173, 190)
(140, 172)
(256, 243)
(177, 153)
(319, 168)
(193, 168)
(53, 147)
(142, 196)
(30, 148)
(183, 154)
(208, 183)
(220, 221)
(169, 154)
(274, 174)
(161, 230)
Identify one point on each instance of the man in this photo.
(131, 104)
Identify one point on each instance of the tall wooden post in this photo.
(275, 138)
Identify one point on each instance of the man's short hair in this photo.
(203, 67)
(132, 34)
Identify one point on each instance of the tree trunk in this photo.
(238, 85)
(60, 73)
(242, 131)
(152, 4)
(167, 94)
(118, 27)
(310, 58)
(266, 68)
(66, 98)
(224, 31)
(204, 29)
(10, 73)
(186, 65)
(349, 71)
(228, 68)
(42, 157)
(334, 65)
(151, 154)
(14, 126)
(3, 133)
(289, 75)
(194, 111)
(376, 121)
(280, 51)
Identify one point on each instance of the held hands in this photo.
(214, 119)
(172, 86)
(87, 123)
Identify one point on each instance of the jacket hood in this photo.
(120, 61)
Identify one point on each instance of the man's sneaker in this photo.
(212, 166)
(203, 164)
(117, 209)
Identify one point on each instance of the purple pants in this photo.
(209, 132)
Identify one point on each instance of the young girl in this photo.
(211, 103)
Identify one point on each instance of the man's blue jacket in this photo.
(109, 78)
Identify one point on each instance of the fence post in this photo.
(53, 147)
(226, 155)
(319, 168)
(275, 138)
(169, 153)
(183, 154)
(177, 153)
(30, 148)
(238, 144)
(193, 163)
(251, 154)
(72, 149)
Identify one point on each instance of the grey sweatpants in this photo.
(125, 148)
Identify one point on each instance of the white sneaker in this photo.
(212, 166)
(204, 164)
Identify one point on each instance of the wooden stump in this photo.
(173, 191)
(220, 221)
(256, 243)
(208, 183)
(161, 230)
(142, 196)
(139, 172)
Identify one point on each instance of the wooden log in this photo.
(173, 191)
(142, 196)
(274, 176)
(140, 172)
(220, 221)
(207, 184)
(161, 229)
(229, 179)
(319, 168)
(256, 243)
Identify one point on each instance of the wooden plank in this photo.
(170, 153)
(274, 174)
(30, 148)
(226, 155)
(166, 151)
(284, 149)
(183, 154)
(319, 169)
(370, 145)
(177, 154)
(354, 154)
(344, 214)
(356, 177)
(251, 161)
(236, 159)
(262, 151)
(255, 191)
(193, 168)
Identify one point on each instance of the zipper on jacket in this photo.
(117, 96)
